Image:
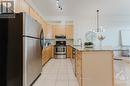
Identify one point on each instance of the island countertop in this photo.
(105, 48)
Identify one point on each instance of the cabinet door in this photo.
(48, 32)
(69, 31)
(69, 52)
(52, 51)
(59, 30)
(47, 54)
(53, 32)
(78, 67)
(43, 56)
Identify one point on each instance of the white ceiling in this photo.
(81, 8)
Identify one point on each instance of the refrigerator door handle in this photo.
(41, 38)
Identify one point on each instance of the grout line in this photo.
(57, 66)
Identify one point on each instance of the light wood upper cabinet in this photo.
(66, 30)
(69, 31)
(53, 33)
(48, 32)
(53, 30)
(59, 30)
(24, 6)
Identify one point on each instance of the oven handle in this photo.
(60, 49)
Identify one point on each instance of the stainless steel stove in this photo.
(60, 47)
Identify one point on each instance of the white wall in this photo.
(112, 25)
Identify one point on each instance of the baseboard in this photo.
(46, 62)
(35, 79)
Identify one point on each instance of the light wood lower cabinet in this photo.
(94, 68)
(78, 67)
(69, 51)
(47, 54)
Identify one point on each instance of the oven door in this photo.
(61, 50)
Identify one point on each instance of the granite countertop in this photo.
(83, 49)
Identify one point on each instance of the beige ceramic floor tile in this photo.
(122, 72)
(57, 72)
(62, 83)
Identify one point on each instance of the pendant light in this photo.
(98, 27)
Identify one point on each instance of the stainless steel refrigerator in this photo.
(21, 41)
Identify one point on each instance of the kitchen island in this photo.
(94, 66)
